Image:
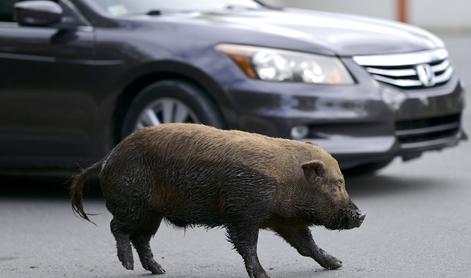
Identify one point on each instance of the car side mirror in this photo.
(38, 13)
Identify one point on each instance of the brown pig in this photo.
(196, 175)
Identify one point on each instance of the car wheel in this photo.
(366, 169)
(170, 101)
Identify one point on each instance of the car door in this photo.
(47, 108)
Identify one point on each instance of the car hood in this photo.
(340, 34)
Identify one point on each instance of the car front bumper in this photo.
(364, 123)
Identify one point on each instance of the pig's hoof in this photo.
(128, 265)
(261, 275)
(330, 262)
(126, 260)
(155, 268)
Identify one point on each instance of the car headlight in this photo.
(287, 66)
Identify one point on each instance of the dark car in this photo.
(79, 75)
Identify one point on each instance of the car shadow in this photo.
(384, 184)
(42, 188)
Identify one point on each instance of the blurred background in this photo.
(431, 14)
(419, 213)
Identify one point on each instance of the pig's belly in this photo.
(197, 205)
(183, 216)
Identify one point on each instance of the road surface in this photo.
(418, 225)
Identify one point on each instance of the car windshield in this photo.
(128, 7)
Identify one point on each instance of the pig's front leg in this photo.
(245, 240)
(302, 240)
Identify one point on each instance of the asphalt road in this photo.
(418, 225)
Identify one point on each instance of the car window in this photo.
(126, 7)
(7, 11)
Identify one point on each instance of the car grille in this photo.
(414, 133)
(410, 70)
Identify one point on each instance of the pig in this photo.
(194, 175)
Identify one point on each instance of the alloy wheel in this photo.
(165, 110)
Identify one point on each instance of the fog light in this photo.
(299, 132)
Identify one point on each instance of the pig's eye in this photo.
(338, 185)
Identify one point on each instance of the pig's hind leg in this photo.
(141, 239)
(123, 244)
(301, 239)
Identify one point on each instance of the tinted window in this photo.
(6, 10)
(124, 7)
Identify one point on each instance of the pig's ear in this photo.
(313, 169)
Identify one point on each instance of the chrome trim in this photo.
(437, 142)
(426, 130)
(398, 82)
(442, 66)
(404, 59)
(444, 76)
(403, 70)
(395, 73)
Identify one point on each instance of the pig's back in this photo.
(192, 143)
(171, 148)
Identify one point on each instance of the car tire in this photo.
(366, 169)
(193, 98)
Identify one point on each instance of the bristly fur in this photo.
(193, 175)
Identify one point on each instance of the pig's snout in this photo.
(358, 218)
(355, 215)
(351, 218)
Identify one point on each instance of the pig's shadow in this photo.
(383, 184)
(308, 273)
